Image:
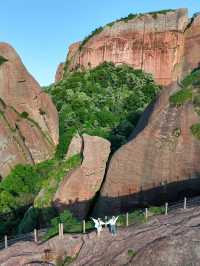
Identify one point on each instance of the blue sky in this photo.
(42, 30)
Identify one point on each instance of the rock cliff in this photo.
(152, 42)
(29, 120)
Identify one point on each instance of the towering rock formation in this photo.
(161, 153)
(79, 187)
(152, 42)
(29, 120)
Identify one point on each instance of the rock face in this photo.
(152, 42)
(78, 188)
(59, 72)
(75, 146)
(29, 120)
(192, 45)
(161, 154)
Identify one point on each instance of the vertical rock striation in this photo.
(152, 42)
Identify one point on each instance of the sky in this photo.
(42, 30)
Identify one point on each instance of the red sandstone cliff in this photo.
(153, 43)
(24, 139)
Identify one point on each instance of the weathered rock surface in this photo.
(75, 146)
(21, 96)
(164, 240)
(79, 187)
(161, 154)
(59, 72)
(192, 46)
(153, 43)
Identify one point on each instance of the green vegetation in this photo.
(70, 224)
(131, 253)
(2, 60)
(195, 129)
(124, 19)
(20, 188)
(94, 32)
(24, 115)
(106, 101)
(182, 96)
(50, 184)
(189, 93)
(192, 80)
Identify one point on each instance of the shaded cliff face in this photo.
(162, 151)
(29, 120)
(153, 43)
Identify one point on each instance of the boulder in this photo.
(159, 163)
(77, 189)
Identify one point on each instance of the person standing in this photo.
(98, 225)
(112, 225)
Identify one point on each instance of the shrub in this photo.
(2, 60)
(195, 129)
(182, 96)
(156, 210)
(24, 115)
(192, 79)
(131, 253)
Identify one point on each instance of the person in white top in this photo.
(112, 225)
(98, 225)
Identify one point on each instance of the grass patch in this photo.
(70, 225)
(193, 79)
(181, 97)
(131, 253)
(195, 129)
(50, 185)
(2, 60)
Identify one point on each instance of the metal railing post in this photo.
(61, 230)
(127, 219)
(166, 208)
(6, 241)
(185, 203)
(83, 226)
(35, 235)
(146, 213)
